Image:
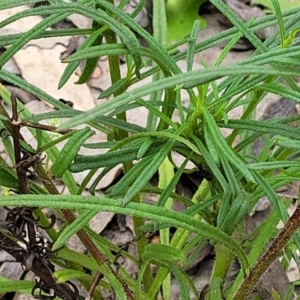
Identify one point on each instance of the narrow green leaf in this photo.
(70, 69)
(7, 177)
(215, 288)
(148, 172)
(191, 46)
(121, 84)
(73, 228)
(153, 44)
(99, 16)
(169, 186)
(159, 22)
(108, 159)
(141, 210)
(101, 145)
(239, 209)
(240, 25)
(156, 112)
(281, 90)
(139, 281)
(190, 79)
(98, 179)
(76, 257)
(272, 196)
(114, 49)
(24, 85)
(69, 152)
(232, 179)
(229, 196)
(7, 285)
(9, 39)
(265, 233)
(30, 34)
(271, 165)
(289, 54)
(90, 64)
(144, 147)
(288, 143)
(182, 280)
(5, 4)
(277, 10)
(116, 285)
(210, 144)
(3, 118)
(166, 173)
(69, 274)
(157, 252)
(211, 163)
(222, 145)
(96, 51)
(120, 124)
(272, 127)
(8, 146)
(122, 186)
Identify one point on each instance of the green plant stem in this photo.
(224, 258)
(269, 256)
(115, 75)
(82, 234)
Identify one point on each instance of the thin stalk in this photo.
(115, 75)
(223, 260)
(269, 256)
(82, 234)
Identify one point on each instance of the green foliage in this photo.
(231, 182)
(181, 16)
(284, 4)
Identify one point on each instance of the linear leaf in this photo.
(7, 285)
(99, 16)
(223, 147)
(108, 159)
(122, 186)
(8, 179)
(73, 228)
(69, 151)
(69, 274)
(30, 34)
(263, 126)
(171, 185)
(164, 252)
(194, 78)
(148, 172)
(141, 210)
(240, 25)
(24, 85)
(272, 196)
(71, 67)
(5, 4)
(211, 163)
(280, 89)
(271, 165)
(237, 212)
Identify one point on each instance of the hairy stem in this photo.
(269, 256)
